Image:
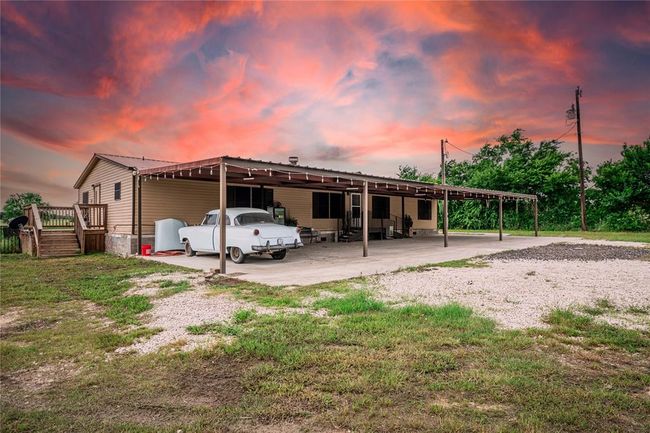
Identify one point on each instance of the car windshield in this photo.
(253, 218)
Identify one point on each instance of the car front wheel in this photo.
(279, 255)
(236, 255)
(189, 252)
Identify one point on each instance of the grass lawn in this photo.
(608, 236)
(366, 366)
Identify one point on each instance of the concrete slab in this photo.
(326, 261)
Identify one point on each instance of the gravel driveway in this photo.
(518, 288)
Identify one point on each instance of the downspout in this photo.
(139, 215)
(133, 203)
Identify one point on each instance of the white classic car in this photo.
(248, 231)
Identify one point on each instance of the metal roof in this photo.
(391, 184)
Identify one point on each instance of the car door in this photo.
(216, 234)
(203, 234)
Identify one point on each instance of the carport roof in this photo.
(268, 173)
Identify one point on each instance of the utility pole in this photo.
(583, 210)
(445, 222)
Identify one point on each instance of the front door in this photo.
(355, 207)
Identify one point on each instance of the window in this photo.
(380, 207)
(118, 191)
(84, 197)
(424, 209)
(210, 219)
(327, 205)
(246, 196)
(253, 218)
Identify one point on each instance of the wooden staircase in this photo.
(59, 243)
(57, 231)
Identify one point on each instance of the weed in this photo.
(355, 302)
(171, 288)
(474, 262)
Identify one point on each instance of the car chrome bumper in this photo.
(277, 247)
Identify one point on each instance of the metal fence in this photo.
(9, 241)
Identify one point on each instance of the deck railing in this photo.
(57, 217)
(88, 221)
(94, 215)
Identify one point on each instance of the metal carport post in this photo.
(365, 218)
(222, 213)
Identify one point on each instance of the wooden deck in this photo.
(57, 231)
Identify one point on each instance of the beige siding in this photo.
(104, 175)
(299, 206)
(187, 200)
(411, 208)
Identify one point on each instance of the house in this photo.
(327, 201)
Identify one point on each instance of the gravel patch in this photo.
(519, 294)
(577, 251)
(175, 313)
(150, 285)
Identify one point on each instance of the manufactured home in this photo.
(333, 211)
(120, 198)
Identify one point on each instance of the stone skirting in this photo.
(126, 244)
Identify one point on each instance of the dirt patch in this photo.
(581, 252)
(31, 325)
(10, 316)
(39, 379)
(213, 383)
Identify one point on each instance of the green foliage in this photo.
(621, 194)
(618, 201)
(355, 302)
(412, 173)
(594, 333)
(15, 204)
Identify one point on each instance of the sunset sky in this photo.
(361, 86)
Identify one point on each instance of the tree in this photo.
(622, 190)
(516, 164)
(408, 172)
(15, 204)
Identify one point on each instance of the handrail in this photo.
(37, 218)
(79, 228)
(37, 226)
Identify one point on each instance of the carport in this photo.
(227, 170)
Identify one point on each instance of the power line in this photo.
(458, 148)
(565, 133)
